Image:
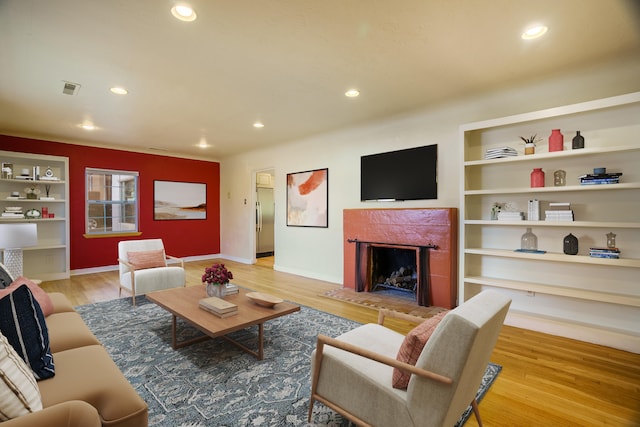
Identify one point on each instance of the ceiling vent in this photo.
(70, 88)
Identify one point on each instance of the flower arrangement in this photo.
(217, 274)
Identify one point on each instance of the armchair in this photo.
(352, 374)
(143, 267)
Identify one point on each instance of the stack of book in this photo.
(496, 153)
(230, 289)
(613, 253)
(559, 211)
(13, 212)
(218, 306)
(510, 216)
(602, 178)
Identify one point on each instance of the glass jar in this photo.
(559, 178)
(529, 241)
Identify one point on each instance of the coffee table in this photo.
(183, 303)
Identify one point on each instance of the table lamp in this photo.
(14, 237)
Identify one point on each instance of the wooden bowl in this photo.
(264, 300)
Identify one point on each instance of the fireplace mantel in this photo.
(427, 228)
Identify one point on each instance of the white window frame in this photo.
(117, 201)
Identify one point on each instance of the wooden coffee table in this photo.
(183, 303)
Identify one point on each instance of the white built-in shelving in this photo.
(573, 295)
(49, 259)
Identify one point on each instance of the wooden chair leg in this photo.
(311, 402)
(476, 411)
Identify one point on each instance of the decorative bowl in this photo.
(264, 300)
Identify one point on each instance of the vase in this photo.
(556, 141)
(570, 244)
(32, 196)
(578, 141)
(529, 241)
(215, 290)
(537, 178)
(529, 148)
(559, 178)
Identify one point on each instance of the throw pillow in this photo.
(147, 259)
(412, 347)
(19, 393)
(5, 277)
(40, 295)
(22, 322)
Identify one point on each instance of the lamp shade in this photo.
(18, 236)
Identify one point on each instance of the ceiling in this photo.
(286, 63)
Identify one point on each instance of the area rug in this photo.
(214, 383)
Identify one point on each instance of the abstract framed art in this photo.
(179, 200)
(308, 198)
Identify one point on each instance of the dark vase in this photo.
(570, 244)
(578, 141)
(556, 140)
(537, 178)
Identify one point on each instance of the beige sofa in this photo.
(88, 389)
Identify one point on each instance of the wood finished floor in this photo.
(545, 381)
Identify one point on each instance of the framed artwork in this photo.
(179, 200)
(308, 198)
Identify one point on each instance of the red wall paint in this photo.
(438, 226)
(181, 237)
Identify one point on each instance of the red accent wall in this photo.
(438, 226)
(181, 237)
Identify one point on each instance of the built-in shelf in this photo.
(598, 294)
(564, 291)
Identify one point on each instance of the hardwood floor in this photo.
(545, 381)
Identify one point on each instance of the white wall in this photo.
(317, 252)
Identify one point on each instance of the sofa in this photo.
(87, 388)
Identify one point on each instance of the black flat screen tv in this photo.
(409, 174)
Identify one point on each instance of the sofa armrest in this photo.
(74, 413)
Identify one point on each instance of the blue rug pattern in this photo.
(214, 383)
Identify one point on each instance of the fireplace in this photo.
(427, 236)
(374, 260)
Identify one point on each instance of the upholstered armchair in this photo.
(143, 267)
(354, 373)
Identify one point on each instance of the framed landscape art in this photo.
(179, 200)
(308, 198)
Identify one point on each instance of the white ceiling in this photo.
(284, 62)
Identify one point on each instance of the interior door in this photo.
(265, 211)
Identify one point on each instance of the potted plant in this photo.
(215, 278)
(530, 144)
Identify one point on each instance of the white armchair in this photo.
(352, 374)
(143, 267)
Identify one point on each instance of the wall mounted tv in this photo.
(409, 174)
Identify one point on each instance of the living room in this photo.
(314, 253)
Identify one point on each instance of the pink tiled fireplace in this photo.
(431, 233)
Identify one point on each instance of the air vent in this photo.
(70, 88)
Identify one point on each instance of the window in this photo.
(112, 203)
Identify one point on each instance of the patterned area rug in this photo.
(214, 383)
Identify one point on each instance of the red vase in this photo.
(537, 178)
(556, 141)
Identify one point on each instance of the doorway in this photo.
(265, 214)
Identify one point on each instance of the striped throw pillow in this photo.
(22, 322)
(19, 393)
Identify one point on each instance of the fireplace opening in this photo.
(394, 268)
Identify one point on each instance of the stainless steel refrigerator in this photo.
(265, 210)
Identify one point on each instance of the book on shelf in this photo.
(603, 178)
(510, 216)
(218, 306)
(496, 153)
(558, 215)
(612, 253)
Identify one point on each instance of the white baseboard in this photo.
(105, 268)
(305, 273)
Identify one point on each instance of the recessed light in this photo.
(88, 126)
(203, 143)
(119, 90)
(258, 125)
(534, 32)
(184, 12)
(352, 93)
